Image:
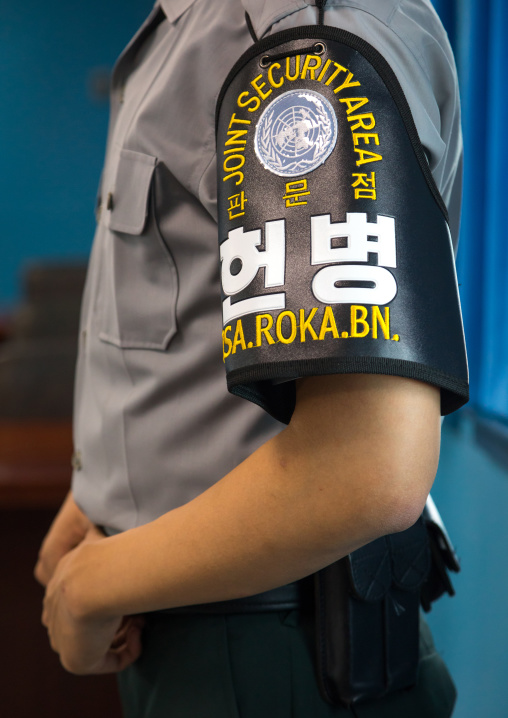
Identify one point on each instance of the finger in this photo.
(47, 609)
(119, 658)
(127, 623)
(50, 554)
(48, 561)
(129, 652)
(119, 637)
(41, 573)
(66, 531)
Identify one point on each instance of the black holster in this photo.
(367, 613)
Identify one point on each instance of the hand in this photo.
(68, 529)
(86, 644)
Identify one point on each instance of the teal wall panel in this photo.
(471, 629)
(52, 131)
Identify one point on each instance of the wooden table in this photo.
(35, 463)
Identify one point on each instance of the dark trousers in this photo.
(257, 666)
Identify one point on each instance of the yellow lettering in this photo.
(347, 83)
(260, 329)
(384, 323)
(239, 338)
(357, 136)
(355, 320)
(234, 121)
(297, 68)
(258, 86)
(226, 341)
(234, 137)
(361, 121)
(240, 163)
(334, 74)
(311, 69)
(237, 202)
(366, 156)
(234, 174)
(323, 71)
(305, 324)
(233, 149)
(328, 324)
(278, 327)
(354, 103)
(295, 191)
(254, 101)
(364, 185)
(270, 75)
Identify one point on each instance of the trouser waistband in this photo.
(297, 595)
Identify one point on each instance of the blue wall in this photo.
(472, 491)
(471, 629)
(52, 133)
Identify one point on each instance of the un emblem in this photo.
(296, 133)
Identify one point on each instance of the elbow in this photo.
(375, 469)
(402, 513)
(363, 509)
(396, 499)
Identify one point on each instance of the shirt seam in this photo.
(124, 435)
(387, 23)
(201, 179)
(395, 10)
(211, 142)
(419, 58)
(281, 14)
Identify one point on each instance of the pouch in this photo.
(367, 617)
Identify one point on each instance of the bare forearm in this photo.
(288, 510)
(231, 541)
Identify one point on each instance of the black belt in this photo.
(297, 595)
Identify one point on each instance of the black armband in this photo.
(335, 251)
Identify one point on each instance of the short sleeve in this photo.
(335, 250)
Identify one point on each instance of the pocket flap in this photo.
(129, 205)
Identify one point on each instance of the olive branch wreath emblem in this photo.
(320, 146)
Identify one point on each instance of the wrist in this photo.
(76, 516)
(86, 584)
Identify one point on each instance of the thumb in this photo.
(119, 657)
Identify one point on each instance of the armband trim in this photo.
(239, 379)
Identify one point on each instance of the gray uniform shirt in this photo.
(154, 425)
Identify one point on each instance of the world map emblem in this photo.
(296, 133)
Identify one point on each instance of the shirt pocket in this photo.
(139, 281)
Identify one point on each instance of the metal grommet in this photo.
(320, 48)
(265, 61)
